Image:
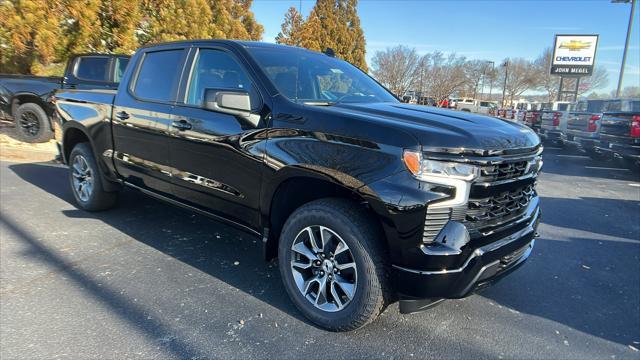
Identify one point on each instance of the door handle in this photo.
(122, 115)
(181, 125)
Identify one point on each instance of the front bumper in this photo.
(484, 266)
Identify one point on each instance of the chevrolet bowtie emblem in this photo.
(575, 45)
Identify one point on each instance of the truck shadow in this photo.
(205, 244)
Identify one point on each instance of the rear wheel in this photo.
(333, 264)
(86, 182)
(32, 124)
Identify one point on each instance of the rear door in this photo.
(217, 157)
(141, 118)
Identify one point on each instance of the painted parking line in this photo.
(574, 156)
(605, 168)
(634, 185)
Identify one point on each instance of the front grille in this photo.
(498, 210)
(504, 171)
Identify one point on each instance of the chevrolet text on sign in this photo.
(574, 55)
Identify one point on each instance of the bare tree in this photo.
(544, 80)
(396, 68)
(475, 71)
(597, 80)
(443, 75)
(520, 77)
(631, 92)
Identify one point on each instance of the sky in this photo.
(491, 30)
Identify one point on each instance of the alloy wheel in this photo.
(323, 268)
(29, 123)
(82, 178)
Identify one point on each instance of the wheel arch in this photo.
(296, 187)
(74, 133)
(23, 98)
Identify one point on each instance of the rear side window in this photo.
(158, 75)
(93, 68)
(121, 66)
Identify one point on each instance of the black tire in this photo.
(32, 124)
(96, 198)
(361, 234)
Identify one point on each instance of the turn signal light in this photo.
(635, 126)
(412, 160)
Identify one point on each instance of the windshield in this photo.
(313, 78)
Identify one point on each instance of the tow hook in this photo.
(536, 235)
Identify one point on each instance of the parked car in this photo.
(620, 131)
(583, 126)
(362, 199)
(25, 99)
(553, 121)
(476, 106)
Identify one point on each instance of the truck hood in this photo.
(440, 128)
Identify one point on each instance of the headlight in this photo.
(423, 169)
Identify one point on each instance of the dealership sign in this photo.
(574, 55)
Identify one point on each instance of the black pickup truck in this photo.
(26, 99)
(363, 200)
(620, 132)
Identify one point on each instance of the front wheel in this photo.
(333, 264)
(86, 182)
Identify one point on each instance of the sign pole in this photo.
(560, 89)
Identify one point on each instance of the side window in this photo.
(121, 66)
(93, 68)
(216, 69)
(158, 75)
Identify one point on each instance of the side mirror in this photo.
(232, 102)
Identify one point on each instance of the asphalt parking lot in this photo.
(147, 280)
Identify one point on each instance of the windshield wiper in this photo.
(319, 103)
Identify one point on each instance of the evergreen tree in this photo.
(335, 24)
(121, 20)
(242, 12)
(171, 20)
(38, 36)
(83, 29)
(30, 35)
(291, 33)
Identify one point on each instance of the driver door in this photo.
(217, 157)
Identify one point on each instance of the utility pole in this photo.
(491, 79)
(626, 45)
(484, 79)
(504, 86)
